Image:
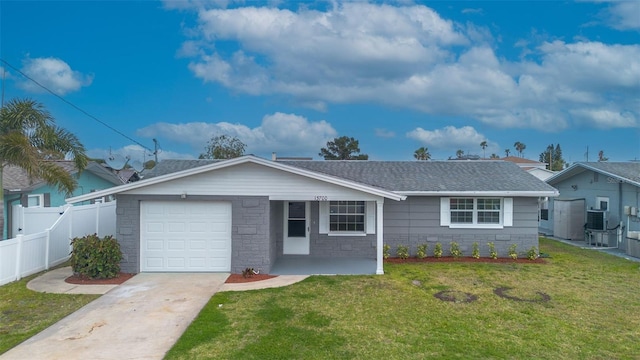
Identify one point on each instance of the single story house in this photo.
(199, 215)
(535, 168)
(590, 191)
(19, 189)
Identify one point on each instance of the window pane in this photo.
(296, 210)
(488, 217)
(297, 228)
(462, 217)
(461, 204)
(347, 216)
(488, 204)
(33, 201)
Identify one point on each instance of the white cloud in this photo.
(411, 57)
(465, 138)
(384, 133)
(284, 133)
(53, 73)
(623, 15)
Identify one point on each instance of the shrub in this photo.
(96, 258)
(455, 250)
(512, 251)
(421, 253)
(492, 250)
(475, 253)
(532, 253)
(385, 251)
(437, 251)
(402, 252)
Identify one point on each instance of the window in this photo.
(476, 212)
(544, 208)
(347, 216)
(35, 200)
(602, 203)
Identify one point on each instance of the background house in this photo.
(199, 215)
(535, 168)
(20, 190)
(596, 204)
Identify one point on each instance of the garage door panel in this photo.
(185, 236)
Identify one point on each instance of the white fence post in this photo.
(46, 249)
(98, 206)
(20, 239)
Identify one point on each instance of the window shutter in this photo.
(323, 217)
(47, 199)
(508, 212)
(445, 212)
(371, 217)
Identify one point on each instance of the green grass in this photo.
(593, 314)
(24, 313)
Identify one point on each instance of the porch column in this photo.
(380, 237)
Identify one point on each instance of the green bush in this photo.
(532, 253)
(421, 253)
(455, 250)
(385, 251)
(512, 251)
(492, 250)
(437, 251)
(402, 252)
(475, 253)
(96, 258)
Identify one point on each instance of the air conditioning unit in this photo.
(597, 220)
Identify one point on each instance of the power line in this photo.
(74, 106)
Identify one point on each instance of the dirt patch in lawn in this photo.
(465, 259)
(83, 280)
(238, 278)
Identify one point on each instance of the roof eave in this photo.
(481, 193)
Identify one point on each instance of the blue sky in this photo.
(287, 77)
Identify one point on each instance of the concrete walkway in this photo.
(140, 319)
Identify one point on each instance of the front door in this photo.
(296, 228)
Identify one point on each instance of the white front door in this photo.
(296, 228)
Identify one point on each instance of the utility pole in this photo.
(155, 150)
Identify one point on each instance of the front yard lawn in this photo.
(24, 313)
(593, 313)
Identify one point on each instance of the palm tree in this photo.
(519, 147)
(459, 153)
(422, 153)
(494, 156)
(484, 145)
(29, 137)
(506, 152)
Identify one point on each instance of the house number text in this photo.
(321, 198)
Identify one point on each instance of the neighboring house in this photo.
(19, 189)
(228, 215)
(535, 168)
(588, 187)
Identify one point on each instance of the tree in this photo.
(28, 138)
(494, 156)
(519, 147)
(484, 145)
(223, 147)
(553, 156)
(459, 153)
(343, 148)
(422, 153)
(601, 156)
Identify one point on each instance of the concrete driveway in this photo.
(140, 319)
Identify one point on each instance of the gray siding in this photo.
(250, 232)
(417, 220)
(589, 186)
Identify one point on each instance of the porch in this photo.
(306, 265)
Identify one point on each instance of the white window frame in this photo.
(40, 198)
(369, 220)
(601, 199)
(506, 214)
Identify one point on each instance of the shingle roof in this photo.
(15, 178)
(624, 171)
(409, 176)
(430, 176)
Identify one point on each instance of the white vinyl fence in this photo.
(28, 254)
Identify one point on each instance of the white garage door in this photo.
(185, 236)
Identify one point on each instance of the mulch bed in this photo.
(238, 278)
(465, 259)
(83, 280)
